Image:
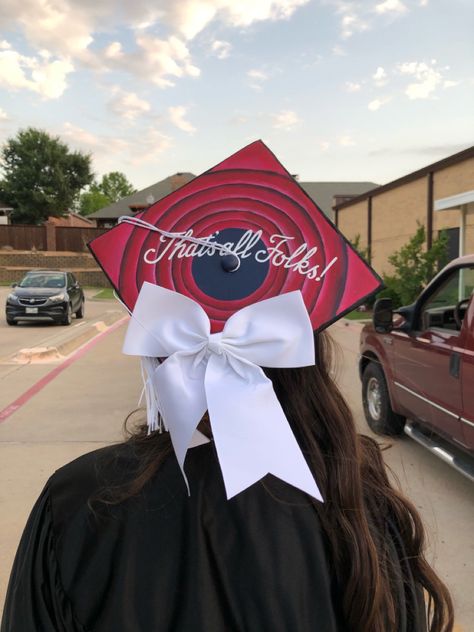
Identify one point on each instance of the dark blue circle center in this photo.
(212, 278)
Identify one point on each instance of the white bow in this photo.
(221, 373)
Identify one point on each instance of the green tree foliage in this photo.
(91, 201)
(414, 266)
(355, 243)
(41, 176)
(113, 187)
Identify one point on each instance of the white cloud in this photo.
(380, 76)
(428, 78)
(68, 28)
(338, 51)
(390, 6)
(352, 23)
(110, 149)
(177, 116)
(257, 77)
(376, 104)
(190, 17)
(113, 51)
(424, 3)
(4, 45)
(324, 145)
(80, 137)
(128, 105)
(221, 49)
(346, 141)
(156, 60)
(285, 120)
(31, 73)
(3, 115)
(351, 86)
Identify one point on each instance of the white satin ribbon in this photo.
(221, 373)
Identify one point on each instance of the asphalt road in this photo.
(36, 334)
(77, 407)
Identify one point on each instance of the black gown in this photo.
(166, 561)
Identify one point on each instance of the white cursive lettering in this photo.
(301, 260)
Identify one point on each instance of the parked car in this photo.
(417, 367)
(45, 295)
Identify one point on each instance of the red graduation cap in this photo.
(277, 240)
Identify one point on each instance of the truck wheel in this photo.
(376, 401)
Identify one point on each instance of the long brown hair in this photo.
(361, 507)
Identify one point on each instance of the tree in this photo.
(113, 187)
(41, 176)
(91, 201)
(355, 243)
(414, 266)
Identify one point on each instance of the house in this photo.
(5, 212)
(72, 220)
(140, 200)
(440, 196)
(325, 194)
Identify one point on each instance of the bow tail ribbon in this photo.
(179, 385)
(251, 432)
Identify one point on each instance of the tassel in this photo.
(153, 414)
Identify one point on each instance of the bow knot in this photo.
(220, 372)
(215, 343)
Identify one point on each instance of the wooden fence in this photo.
(47, 237)
(72, 239)
(23, 237)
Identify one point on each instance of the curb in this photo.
(65, 348)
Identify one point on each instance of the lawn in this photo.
(106, 293)
(355, 315)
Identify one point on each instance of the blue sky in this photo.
(339, 90)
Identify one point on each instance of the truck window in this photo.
(438, 309)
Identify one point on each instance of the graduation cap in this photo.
(277, 241)
(230, 273)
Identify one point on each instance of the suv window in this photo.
(438, 310)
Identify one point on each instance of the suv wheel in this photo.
(67, 320)
(80, 311)
(376, 401)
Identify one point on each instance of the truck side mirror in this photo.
(383, 315)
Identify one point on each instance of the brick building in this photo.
(440, 196)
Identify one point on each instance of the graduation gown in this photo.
(166, 561)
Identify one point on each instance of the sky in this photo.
(339, 90)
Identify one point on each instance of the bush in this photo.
(414, 267)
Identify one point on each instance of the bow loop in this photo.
(221, 373)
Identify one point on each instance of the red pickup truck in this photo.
(417, 367)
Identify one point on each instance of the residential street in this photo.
(83, 404)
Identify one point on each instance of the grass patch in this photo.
(106, 293)
(355, 315)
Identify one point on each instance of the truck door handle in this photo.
(454, 364)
